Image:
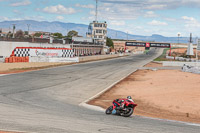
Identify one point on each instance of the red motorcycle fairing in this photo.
(126, 102)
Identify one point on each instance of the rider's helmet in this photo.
(129, 97)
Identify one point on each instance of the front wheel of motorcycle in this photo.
(128, 112)
(109, 110)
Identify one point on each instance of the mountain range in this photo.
(64, 28)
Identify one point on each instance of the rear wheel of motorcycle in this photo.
(109, 110)
(129, 112)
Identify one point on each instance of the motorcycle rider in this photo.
(121, 102)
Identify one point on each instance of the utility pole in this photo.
(14, 30)
(96, 10)
(179, 34)
(28, 28)
(127, 35)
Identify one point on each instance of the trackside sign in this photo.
(45, 52)
(137, 44)
(162, 45)
(147, 45)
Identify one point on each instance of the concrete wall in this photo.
(6, 47)
(178, 63)
(100, 57)
(54, 59)
(75, 59)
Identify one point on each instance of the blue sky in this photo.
(139, 17)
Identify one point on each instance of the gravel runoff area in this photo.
(166, 94)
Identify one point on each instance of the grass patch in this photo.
(162, 57)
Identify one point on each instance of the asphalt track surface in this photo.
(47, 101)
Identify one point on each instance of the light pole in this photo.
(28, 28)
(179, 34)
(127, 35)
(14, 30)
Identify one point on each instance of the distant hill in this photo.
(63, 28)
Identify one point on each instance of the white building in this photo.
(98, 31)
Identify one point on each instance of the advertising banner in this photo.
(148, 45)
(162, 45)
(137, 44)
(46, 52)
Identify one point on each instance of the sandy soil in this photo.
(181, 51)
(7, 132)
(21, 67)
(166, 94)
(154, 64)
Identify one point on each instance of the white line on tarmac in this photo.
(3, 75)
(174, 121)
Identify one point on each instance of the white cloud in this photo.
(59, 9)
(85, 6)
(156, 7)
(191, 23)
(188, 18)
(170, 19)
(21, 3)
(37, 18)
(117, 12)
(155, 4)
(157, 23)
(60, 17)
(150, 14)
(118, 23)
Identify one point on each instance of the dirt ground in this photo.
(6, 68)
(8, 132)
(166, 94)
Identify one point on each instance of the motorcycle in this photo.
(126, 110)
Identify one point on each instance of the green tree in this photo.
(19, 34)
(58, 35)
(109, 42)
(72, 33)
(26, 32)
(37, 34)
